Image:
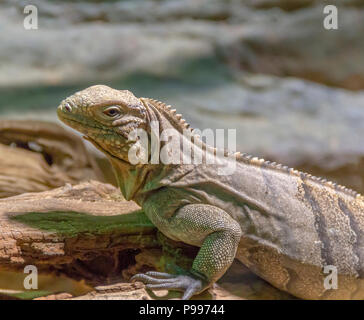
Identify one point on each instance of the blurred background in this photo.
(291, 88)
(268, 68)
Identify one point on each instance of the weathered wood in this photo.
(89, 232)
(66, 224)
(86, 231)
(37, 156)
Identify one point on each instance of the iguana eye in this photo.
(112, 111)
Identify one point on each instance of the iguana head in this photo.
(105, 116)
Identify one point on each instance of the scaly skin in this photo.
(285, 225)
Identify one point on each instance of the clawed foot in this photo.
(190, 285)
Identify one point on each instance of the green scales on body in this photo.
(284, 225)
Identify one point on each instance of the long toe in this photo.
(164, 281)
(160, 274)
(175, 285)
(147, 279)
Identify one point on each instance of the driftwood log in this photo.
(37, 156)
(67, 229)
(86, 232)
(89, 232)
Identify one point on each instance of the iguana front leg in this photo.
(206, 226)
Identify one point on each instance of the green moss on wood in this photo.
(29, 295)
(71, 223)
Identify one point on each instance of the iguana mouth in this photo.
(75, 124)
(88, 138)
(99, 147)
(79, 125)
(65, 119)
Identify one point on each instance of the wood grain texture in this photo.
(37, 156)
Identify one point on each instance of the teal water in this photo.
(191, 76)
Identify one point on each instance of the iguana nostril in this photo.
(67, 107)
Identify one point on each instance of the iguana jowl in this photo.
(285, 225)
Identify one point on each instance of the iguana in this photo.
(290, 228)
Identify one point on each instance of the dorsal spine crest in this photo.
(251, 159)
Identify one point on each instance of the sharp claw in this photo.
(134, 278)
(138, 277)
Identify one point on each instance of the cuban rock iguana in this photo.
(284, 225)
